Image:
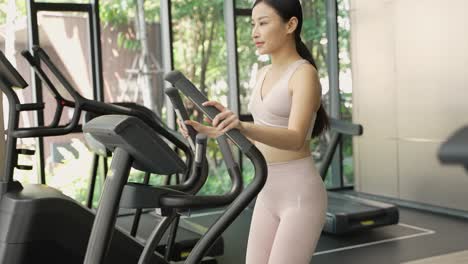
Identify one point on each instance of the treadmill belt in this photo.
(328, 242)
(341, 202)
(347, 213)
(342, 205)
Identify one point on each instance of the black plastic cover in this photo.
(455, 149)
(149, 151)
(9, 75)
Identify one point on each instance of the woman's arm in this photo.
(305, 102)
(249, 123)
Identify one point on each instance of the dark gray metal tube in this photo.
(188, 88)
(154, 238)
(233, 72)
(235, 209)
(92, 181)
(103, 226)
(327, 157)
(11, 156)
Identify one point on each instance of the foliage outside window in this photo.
(199, 48)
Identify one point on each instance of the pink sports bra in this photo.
(274, 109)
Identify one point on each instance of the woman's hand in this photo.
(223, 122)
(183, 129)
(209, 131)
(226, 120)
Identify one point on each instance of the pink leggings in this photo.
(289, 215)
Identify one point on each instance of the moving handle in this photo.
(180, 82)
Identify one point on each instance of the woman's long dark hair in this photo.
(287, 9)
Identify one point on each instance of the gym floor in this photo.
(419, 235)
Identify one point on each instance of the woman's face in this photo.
(269, 31)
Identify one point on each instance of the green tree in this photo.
(199, 48)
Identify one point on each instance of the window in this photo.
(199, 48)
(346, 86)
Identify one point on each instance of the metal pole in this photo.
(332, 58)
(167, 55)
(138, 211)
(33, 39)
(10, 52)
(145, 74)
(103, 226)
(232, 61)
(92, 181)
(334, 83)
(96, 53)
(231, 38)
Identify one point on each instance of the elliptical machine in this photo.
(39, 224)
(126, 136)
(177, 244)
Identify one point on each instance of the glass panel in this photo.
(248, 170)
(244, 3)
(346, 86)
(65, 37)
(68, 165)
(249, 64)
(128, 75)
(132, 73)
(14, 39)
(313, 35)
(199, 47)
(249, 61)
(65, 1)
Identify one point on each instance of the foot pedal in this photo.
(24, 167)
(28, 152)
(30, 107)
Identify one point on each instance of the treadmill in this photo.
(347, 213)
(183, 236)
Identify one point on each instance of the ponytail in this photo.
(321, 122)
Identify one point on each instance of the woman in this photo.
(290, 210)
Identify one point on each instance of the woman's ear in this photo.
(292, 25)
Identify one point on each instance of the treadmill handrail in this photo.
(338, 128)
(345, 127)
(328, 156)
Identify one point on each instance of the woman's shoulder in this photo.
(305, 70)
(306, 65)
(306, 75)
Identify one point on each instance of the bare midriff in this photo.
(275, 155)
